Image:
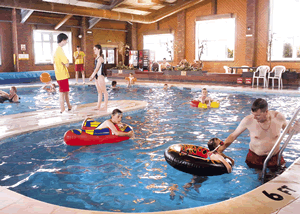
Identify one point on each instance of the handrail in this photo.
(278, 142)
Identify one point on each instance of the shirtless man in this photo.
(116, 118)
(265, 128)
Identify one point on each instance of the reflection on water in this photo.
(133, 176)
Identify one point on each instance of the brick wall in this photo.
(180, 36)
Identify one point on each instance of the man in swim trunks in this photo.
(265, 128)
(11, 97)
(116, 118)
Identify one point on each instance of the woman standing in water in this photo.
(99, 74)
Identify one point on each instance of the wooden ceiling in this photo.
(139, 11)
(137, 7)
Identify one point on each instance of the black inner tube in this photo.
(192, 164)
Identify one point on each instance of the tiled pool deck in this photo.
(280, 195)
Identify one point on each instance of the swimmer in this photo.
(50, 88)
(130, 79)
(166, 86)
(116, 118)
(213, 145)
(114, 85)
(204, 98)
(11, 97)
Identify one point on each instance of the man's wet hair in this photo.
(116, 111)
(114, 83)
(259, 104)
(212, 144)
(61, 37)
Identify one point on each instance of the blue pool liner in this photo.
(23, 77)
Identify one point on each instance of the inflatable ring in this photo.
(89, 135)
(134, 79)
(196, 103)
(193, 160)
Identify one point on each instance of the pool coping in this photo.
(260, 200)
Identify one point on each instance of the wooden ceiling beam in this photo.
(136, 7)
(25, 14)
(96, 1)
(63, 21)
(49, 7)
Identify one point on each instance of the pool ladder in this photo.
(278, 142)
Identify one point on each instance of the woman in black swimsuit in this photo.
(11, 97)
(99, 74)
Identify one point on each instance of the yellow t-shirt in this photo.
(61, 71)
(79, 60)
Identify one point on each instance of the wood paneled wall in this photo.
(45, 21)
(115, 38)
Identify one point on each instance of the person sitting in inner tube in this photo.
(204, 98)
(11, 97)
(213, 145)
(116, 118)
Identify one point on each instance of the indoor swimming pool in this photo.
(133, 176)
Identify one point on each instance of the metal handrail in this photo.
(278, 142)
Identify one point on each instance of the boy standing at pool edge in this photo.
(61, 64)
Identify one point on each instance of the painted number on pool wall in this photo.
(183, 73)
(120, 71)
(277, 197)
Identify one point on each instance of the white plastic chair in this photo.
(262, 74)
(226, 69)
(245, 69)
(277, 70)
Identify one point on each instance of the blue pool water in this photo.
(133, 176)
(35, 98)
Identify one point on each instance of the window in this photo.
(45, 44)
(161, 44)
(109, 55)
(215, 39)
(284, 38)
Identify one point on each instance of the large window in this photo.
(161, 44)
(45, 44)
(284, 35)
(215, 39)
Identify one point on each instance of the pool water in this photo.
(133, 176)
(35, 98)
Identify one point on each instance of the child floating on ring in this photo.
(204, 101)
(131, 79)
(213, 145)
(204, 98)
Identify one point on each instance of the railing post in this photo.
(278, 142)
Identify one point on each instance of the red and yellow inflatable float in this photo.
(198, 104)
(89, 135)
